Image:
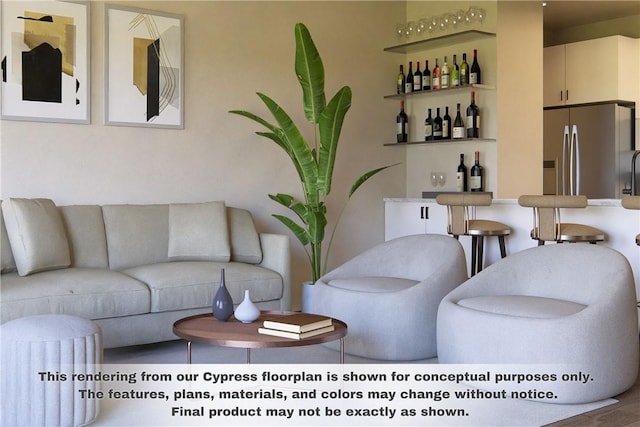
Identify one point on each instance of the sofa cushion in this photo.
(245, 240)
(85, 231)
(85, 292)
(36, 234)
(8, 262)
(191, 284)
(199, 232)
(522, 306)
(136, 234)
(373, 284)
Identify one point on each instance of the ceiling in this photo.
(562, 14)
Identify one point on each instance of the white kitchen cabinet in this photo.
(603, 69)
(404, 217)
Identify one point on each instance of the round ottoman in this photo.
(42, 357)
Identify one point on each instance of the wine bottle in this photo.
(461, 175)
(474, 75)
(445, 73)
(458, 126)
(476, 182)
(437, 125)
(473, 118)
(417, 79)
(426, 77)
(455, 73)
(428, 126)
(446, 124)
(435, 77)
(464, 71)
(400, 80)
(402, 122)
(408, 83)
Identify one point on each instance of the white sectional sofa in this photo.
(135, 269)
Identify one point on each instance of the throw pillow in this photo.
(245, 241)
(36, 234)
(8, 263)
(199, 232)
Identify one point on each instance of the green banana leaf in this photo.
(310, 73)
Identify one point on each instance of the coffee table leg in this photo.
(248, 355)
(342, 350)
(189, 352)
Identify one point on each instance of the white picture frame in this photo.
(45, 61)
(144, 68)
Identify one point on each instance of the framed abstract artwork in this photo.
(144, 68)
(45, 61)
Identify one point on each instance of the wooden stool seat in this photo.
(462, 222)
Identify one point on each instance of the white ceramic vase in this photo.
(247, 311)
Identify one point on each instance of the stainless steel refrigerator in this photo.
(588, 149)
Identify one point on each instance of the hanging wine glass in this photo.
(460, 15)
(411, 27)
(422, 26)
(471, 15)
(400, 29)
(434, 23)
(481, 15)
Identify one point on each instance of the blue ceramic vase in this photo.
(222, 306)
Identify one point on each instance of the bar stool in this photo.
(547, 225)
(632, 202)
(462, 222)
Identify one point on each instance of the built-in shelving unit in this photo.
(434, 43)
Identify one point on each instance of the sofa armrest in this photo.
(276, 256)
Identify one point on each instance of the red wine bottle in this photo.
(476, 180)
(417, 79)
(446, 124)
(426, 77)
(402, 122)
(474, 75)
(408, 83)
(461, 175)
(428, 127)
(437, 125)
(473, 118)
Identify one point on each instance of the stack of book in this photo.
(297, 326)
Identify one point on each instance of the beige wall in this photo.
(232, 50)
(519, 67)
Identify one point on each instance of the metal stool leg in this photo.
(480, 253)
(474, 251)
(503, 249)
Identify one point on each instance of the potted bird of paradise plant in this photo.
(314, 164)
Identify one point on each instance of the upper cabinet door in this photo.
(604, 69)
(592, 70)
(554, 76)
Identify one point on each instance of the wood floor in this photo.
(625, 413)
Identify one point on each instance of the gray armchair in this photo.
(389, 295)
(568, 307)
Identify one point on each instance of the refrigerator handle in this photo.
(575, 161)
(565, 154)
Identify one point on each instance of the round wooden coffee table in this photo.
(206, 329)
